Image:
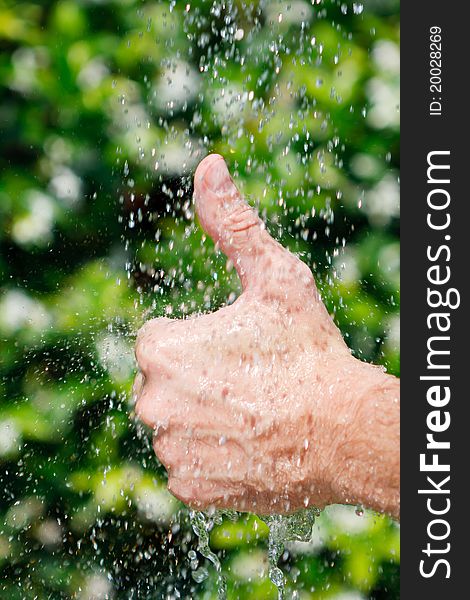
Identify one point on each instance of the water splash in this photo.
(202, 524)
(296, 527)
(286, 528)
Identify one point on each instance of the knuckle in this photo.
(150, 328)
(188, 492)
(143, 412)
(304, 273)
(150, 409)
(239, 223)
(148, 342)
(297, 276)
(141, 350)
(164, 452)
(179, 490)
(138, 386)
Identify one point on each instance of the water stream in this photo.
(108, 109)
(296, 527)
(202, 523)
(271, 118)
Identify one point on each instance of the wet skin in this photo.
(260, 406)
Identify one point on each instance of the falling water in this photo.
(202, 523)
(286, 528)
(296, 527)
(139, 92)
(236, 111)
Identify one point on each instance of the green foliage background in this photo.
(106, 108)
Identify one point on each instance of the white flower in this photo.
(288, 13)
(346, 519)
(116, 356)
(347, 267)
(97, 587)
(382, 202)
(229, 104)
(92, 74)
(156, 504)
(49, 533)
(177, 84)
(36, 226)
(66, 186)
(251, 566)
(384, 97)
(23, 512)
(18, 310)
(386, 55)
(9, 437)
(392, 341)
(365, 165)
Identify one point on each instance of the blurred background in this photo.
(106, 107)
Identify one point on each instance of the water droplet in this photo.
(200, 574)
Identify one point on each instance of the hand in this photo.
(254, 407)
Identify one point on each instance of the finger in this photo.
(190, 457)
(154, 411)
(227, 218)
(138, 386)
(199, 493)
(171, 450)
(261, 262)
(149, 339)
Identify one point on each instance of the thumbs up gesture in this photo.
(255, 407)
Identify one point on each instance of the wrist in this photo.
(328, 421)
(365, 462)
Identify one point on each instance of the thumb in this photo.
(229, 220)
